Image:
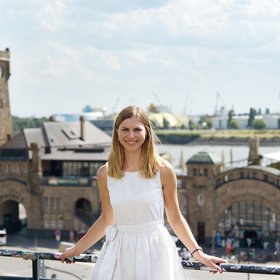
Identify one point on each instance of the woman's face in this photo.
(131, 133)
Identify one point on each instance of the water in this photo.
(186, 151)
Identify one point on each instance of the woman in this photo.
(136, 186)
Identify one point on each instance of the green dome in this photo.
(204, 158)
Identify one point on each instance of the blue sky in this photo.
(66, 54)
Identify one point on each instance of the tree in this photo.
(191, 125)
(252, 114)
(209, 123)
(205, 122)
(230, 115)
(259, 124)
(21, 123)
(166, 123)
(234, 124)
(152, 108)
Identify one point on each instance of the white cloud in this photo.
(104, 49)
(51, 15)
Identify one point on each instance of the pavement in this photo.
(56, 270)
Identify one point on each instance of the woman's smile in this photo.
(131, 133)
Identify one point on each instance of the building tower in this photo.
(5, 114)
(254, 155)
(202, 169)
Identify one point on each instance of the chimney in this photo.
(82, 128)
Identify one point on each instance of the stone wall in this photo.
(5, 115)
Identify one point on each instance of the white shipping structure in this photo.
(220, 122)
(271, 121)
(242, 121)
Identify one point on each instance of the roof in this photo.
(76, 155)
(273, 156)
(63, 140)
(204, 158)
(268, 169)
(16, 142)
(34, 135)
(59, 134)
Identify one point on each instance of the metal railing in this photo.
(38, 258)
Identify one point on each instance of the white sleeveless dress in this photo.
(138, 246)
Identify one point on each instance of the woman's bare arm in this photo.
(97, 230)
(178, 222)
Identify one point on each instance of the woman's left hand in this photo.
(210, 261)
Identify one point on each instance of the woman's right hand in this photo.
(68, 255)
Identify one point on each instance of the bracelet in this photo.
(196, 250)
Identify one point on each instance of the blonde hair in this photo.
(150, 161)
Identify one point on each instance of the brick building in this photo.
(49, 173)
(241, 203)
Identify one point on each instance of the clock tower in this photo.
(5, 114)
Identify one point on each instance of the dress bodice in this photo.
(136, 200)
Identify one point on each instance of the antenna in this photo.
(219, 102)
(158, 100)
(114, 108)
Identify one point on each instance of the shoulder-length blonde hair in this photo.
(150, 161)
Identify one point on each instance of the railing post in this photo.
(36, 269)
(42, 268)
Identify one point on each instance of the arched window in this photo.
(249, 219)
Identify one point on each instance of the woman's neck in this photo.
(132, 161)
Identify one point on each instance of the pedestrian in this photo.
(136, 185)
(71, 236)
(218, 239)
(57, 234)
(277, 247)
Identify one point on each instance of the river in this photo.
(234, 153)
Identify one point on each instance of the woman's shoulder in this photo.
(167, 174)
(102, 171)
(166, 169)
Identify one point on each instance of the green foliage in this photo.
(21, 123)
(205, 122)
(252, 114)
(191, 125)
(230, 115)
(259, 124)
(233, 124)
(166, 123)
(209, 123)
(152, 108)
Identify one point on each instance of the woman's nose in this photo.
(130, 133)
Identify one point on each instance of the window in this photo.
(53, 203)
(205, 172)
(45, 203)
(59, 203)
(194, 172)
(251, 216)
